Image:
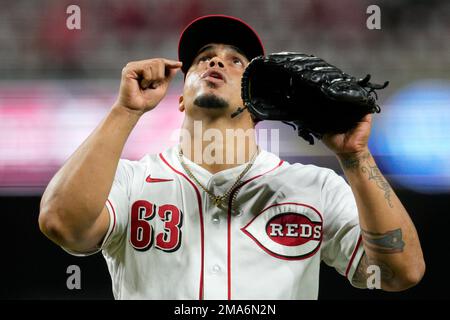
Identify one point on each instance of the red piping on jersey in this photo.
(199, 201)
(114, 221)
(229, 223)
(353, 256)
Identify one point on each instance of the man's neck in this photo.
(218, 144)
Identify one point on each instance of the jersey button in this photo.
(216, 220)
(216, 268)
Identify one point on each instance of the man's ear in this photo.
(181, 104)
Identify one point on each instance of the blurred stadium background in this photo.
(57, 84)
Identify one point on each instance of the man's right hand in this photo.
(144, 83)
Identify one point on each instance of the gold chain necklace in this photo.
(217, 199)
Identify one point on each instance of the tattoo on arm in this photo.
(360, 276)
(375, 175)
(362, 161)
(361, 273)
(354, 162)
(385, 243)
(389, 242)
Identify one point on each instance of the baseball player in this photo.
(176, 225)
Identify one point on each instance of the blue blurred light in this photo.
(411, 136)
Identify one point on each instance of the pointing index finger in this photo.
(172, 63)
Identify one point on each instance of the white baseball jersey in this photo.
(167, 239)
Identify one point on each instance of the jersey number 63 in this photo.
(142, 231)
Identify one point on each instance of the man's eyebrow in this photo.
(209, 47)
(239, 51)
(205, 48)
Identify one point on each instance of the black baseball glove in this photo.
(306, 92)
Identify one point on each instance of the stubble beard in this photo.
(211, 101)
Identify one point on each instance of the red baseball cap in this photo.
(217, 29)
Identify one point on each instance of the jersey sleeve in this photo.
(117, 205)
(342, 247)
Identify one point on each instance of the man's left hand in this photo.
(352, 142)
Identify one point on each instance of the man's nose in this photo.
(216, 61)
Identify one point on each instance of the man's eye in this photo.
(204, 58)
(237, 61)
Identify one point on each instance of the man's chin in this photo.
(211, 101)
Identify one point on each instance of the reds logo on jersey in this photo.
(290, 231)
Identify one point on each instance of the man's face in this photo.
(213, 81)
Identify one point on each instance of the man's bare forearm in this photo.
(389, 236)
(77, 193)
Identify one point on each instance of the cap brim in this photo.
(217, 29)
